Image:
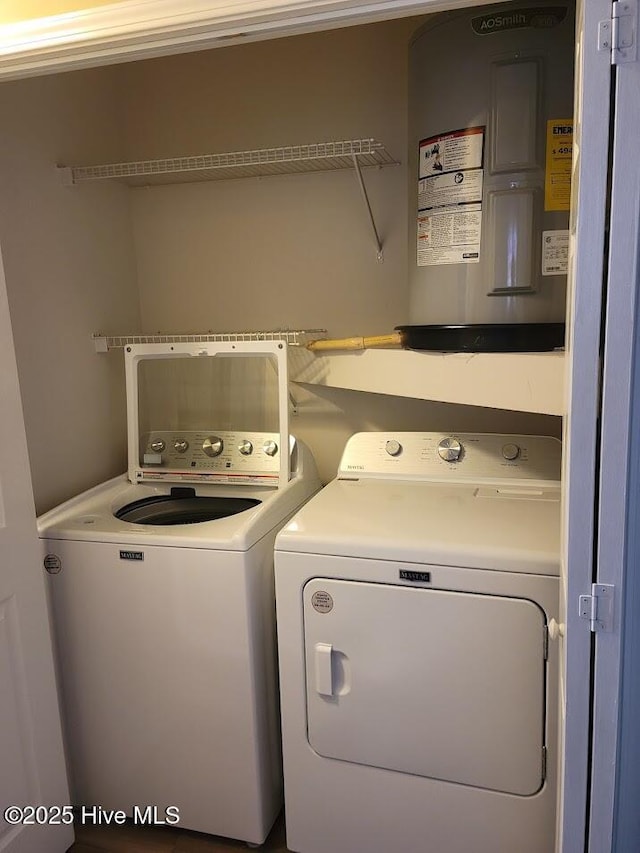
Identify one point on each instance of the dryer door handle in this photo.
(324, 668)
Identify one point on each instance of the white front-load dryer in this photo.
(418, 682)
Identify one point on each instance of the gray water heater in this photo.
(490, 145)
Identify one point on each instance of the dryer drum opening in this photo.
(180, 508)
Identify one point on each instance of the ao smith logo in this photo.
(503, 22)
(132, 555)
(541, 18)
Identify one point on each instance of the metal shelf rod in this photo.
(363, 190)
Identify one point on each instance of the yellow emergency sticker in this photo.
(557, 181)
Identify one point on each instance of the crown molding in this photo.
(136, 29)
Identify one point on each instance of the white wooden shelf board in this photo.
(526, 382)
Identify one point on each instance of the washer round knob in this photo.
(181, 445)
(245, 447)
(157, 446)
(450, 449)
(213, 445)
(393, 447)
(270, 447)
(510, 452)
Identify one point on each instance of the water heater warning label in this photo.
(450, 179)
(449, 237)
(451, 152)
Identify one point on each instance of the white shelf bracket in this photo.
(363, 190)
(66, 175)
(100, 343)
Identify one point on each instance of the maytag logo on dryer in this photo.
(132, 555)
(355, 467)
(415, 577)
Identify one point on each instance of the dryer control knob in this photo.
(245, 447)
(157, 446)
(510, 452)
(213, 445)
(270, 447)
(450, 449)
(393, 447)
(181, 445)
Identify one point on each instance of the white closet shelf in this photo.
(526, 382)
(290, 159)
(353, 154)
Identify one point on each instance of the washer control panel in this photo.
(458, 457)
(227, 455)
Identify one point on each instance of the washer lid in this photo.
(201, 386)
(501, 527)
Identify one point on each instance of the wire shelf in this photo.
(291, 159)
(296, 338)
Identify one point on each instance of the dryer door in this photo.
(448, 685)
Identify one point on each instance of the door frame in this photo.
(581, 423)
(141, 29)
(618, 549)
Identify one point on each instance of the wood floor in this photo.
(135, 839)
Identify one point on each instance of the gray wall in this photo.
(70, 270)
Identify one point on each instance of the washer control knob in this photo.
(510, 452)
(245, 447)
(393, 447)
(270, 447)
(157, 446)
(213, 445)
(450, 449)
(181, 445)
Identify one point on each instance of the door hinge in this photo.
(598, 607)
(618, 36)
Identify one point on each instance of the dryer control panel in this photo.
(454, 457)
(205, 455)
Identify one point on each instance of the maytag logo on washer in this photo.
(132, 555)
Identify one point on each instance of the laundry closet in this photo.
(185, 254)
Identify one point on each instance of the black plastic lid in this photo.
(481, 337)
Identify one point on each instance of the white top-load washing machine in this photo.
(161, 584)
(418, 682)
